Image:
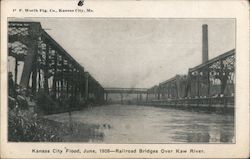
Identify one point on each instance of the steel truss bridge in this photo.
(50, 70)
(126, 90)
(123, 91)
(209, 84)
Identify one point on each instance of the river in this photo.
(148, 124)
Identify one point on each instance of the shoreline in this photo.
(23, 126)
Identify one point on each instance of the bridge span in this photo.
(126, 90)
(45, 71)
(122, 92)
(57, 82)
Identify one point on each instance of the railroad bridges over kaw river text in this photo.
(58, 83)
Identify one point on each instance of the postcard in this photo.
(124, 79)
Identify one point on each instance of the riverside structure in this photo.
(50, 70)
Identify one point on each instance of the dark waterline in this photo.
(145, 124)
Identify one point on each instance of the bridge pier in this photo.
(86, 75)
(106, 96)
(29, 61)
(121, 98)
(137, 98)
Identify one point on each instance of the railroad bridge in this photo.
(48, 68)
(210, 84)
(44, 67)
(125, 91)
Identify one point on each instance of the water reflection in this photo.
(144, 124)
(81, 132)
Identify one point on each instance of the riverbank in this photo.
(25, 126)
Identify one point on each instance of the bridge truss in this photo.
(47, 67)
(210, 83)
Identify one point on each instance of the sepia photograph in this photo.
(122, 80)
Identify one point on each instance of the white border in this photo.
(155, 9)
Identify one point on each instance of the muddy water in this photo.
(145, 124)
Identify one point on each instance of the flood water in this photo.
(146, 124)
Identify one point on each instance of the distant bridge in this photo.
(122, 91)
(126, 90)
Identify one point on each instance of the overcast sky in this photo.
(138, 52)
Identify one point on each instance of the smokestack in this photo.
(204, 43)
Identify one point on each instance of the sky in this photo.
(138, 52)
